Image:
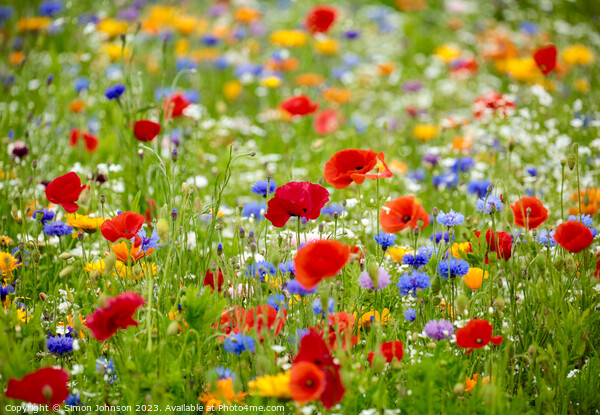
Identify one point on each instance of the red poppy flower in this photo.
(597, 271)
(347, 166)
(537, 214)
(327, 121)
(476, 334)
(574, 236)
(45, 386)
(90, 140)
(320, 19)
(124, 225)
(175, 105)
(307, 382)
(318, 260)
(65, 191)
(301, 199)
(545, 58)
(118, 313)
(401, 213)
(213, 280)
(389, 350)
(341, 323)
(263, 316)
(146, 130)
(232, 319)
(314, 350)
(499, 242)
(299, 105)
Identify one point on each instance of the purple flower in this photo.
(366, 282)
(115, 91)
(440, 329)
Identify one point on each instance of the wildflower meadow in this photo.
(300, 207)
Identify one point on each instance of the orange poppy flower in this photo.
(318, 260)
(124, 254)
(76, 106)
(352, 165)
(309, 79)
(401, 213)
(337, 95)
(307, 382)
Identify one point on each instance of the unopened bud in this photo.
(571, 161)
(66, 271)
(47, 392)
(435, 212)
(110, 261)
(65, 256)
(499, 302)
(462, 303)
(173, 328)
(373, 271)
(162, 228)
(43, 296)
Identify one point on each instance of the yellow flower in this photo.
(112, 27)
(223, 395)
(33, 23)
(582, 85)
(83, 222)
(114, 51)
(206, 54)
(398, 252)
(578, 55)
(121, 269)
(369, 317)
(270, 81)
(475, 277)
(288, 38)
(24, 315)
(277, 386)
(6, 240)
(447, 53)
(425, 132)
(232, 90)
(182, 46)
(459, 249)
(328, 46)
(398, 167)
(185, 24)
(162, 15)
(523, 69)
(8, 264)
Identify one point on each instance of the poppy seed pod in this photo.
(571, 161)
(162, 228)
(110, 261)
(462, 303)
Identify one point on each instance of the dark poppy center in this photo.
(479, 340)
(406, 218)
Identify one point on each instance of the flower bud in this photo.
(462, 303)
(378, 363)
(162, 228)
(373, 271)
(173, 328)
(499, 303)
(66, 271)
(65, 256)
(43, 296)
(435, 212)
(47, 392)
(459, 389)
(571, 161)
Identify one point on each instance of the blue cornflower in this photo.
(491, 204)
(47, 215)
(5, 13)
(149, 242)
(238, 343)
(332, 208)
(585, 219)
(81, 84)
(478, 187)
(410, 314)
(277, 301)
(184, 65)
(288, 267)
(264, 187)
(532, 171)
(5, 290)
(439, 236)
(451, 218)
(318, 307)
(529, 28)
(73, 400)
(115, 91)
(261, 269)
(254, 209)
(463, 165)
(453, 268)
(60, 345)
(410, 283)
(385, 239)
(351, 34)
(57, 228)
(421, 258)
(49, 8)
(449, 180)
(295, 288)
(224, 373)
(545, 238)
(417, 175)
